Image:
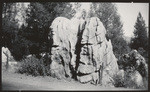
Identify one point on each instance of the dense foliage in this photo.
(140, 39)
(34, 66)
(32, 36)
(10, 29)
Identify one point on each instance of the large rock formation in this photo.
(60, 48)
(77, 25)
(8, 62)
(6, 54)
(91, 59)
(96, 55)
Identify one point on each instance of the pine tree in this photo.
(32, 36)
(39, 19)
(140, 38)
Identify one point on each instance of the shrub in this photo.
(144, 53)
(129, 80)
(118, 81)
(34, 66)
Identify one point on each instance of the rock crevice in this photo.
(91, 56)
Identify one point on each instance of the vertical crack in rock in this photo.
(60, 48)
(78, 46)
(88, 53)
(94, 43)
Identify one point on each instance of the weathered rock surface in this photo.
(8, 61)
(60, 29)
(110, 61)
(92, 77)
(57, 70)
(6, 54)
(85, 69)
(60, 48)
(96, 52)
(77, 25)
(91, 56)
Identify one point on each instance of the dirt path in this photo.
(14, 81)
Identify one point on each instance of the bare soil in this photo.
(15, 81)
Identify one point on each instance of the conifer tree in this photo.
(140, 38)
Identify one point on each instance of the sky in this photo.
(129, 13)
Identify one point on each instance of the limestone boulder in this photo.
(97, 51)
(77, 25)
(6, 54)
(57, 70)
(107, 80)
(85, 78)
(110, 65)
(93, 78)
(85, 69)
(83, 45)
(8, 62)
(60, 51)
(60, 32)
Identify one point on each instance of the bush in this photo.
(34, 66)
(118, 81)
(129, 80)
(144, 53)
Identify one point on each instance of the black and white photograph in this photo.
(74, 46)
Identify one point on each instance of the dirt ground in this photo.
(15, 81)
